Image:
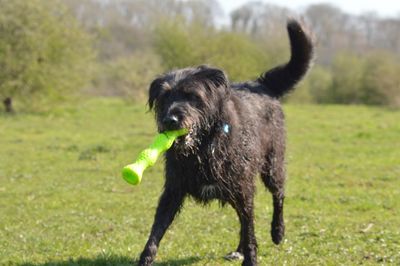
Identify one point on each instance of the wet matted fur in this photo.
(236, 131)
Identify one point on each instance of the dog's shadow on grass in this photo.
(112, 261)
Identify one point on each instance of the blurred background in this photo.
(74, 76)
(55, 50)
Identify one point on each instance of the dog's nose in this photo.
(171, 122)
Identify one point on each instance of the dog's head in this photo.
(189, 98)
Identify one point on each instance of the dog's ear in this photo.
(212, 78)
(156, 87)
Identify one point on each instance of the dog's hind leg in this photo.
(273, 176)
(169, 205)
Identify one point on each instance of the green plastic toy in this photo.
(133, 173)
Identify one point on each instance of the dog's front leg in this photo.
(168, 206)
(248, 243)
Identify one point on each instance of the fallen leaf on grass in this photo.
(366, 229)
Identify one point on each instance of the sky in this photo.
(381, 7)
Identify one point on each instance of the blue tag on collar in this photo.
(226, 128)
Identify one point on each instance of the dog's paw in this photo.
(234, 256)
(277, 233)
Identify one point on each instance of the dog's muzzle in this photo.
(171, 122)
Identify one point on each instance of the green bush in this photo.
(182, 45)
(175, 46)
(315, 88)
(320, 81)
(347, 83)
(373, 79)
(43, 51)
(241, 58)
(300, 95)
(382, 80)
(128, 77)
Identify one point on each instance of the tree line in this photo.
(50, 50)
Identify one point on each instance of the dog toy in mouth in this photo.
(133, 173)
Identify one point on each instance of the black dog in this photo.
(235, 132)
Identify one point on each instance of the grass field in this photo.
(63, 202)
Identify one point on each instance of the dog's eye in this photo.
(164, 95)
(192, 97)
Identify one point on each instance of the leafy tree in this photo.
(43, 51)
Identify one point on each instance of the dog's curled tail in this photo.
(283, 78)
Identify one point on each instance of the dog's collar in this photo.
(225, 128)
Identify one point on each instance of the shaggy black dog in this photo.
(235, 132)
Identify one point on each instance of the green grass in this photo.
(63, 202)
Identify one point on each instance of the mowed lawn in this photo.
(63, 201)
